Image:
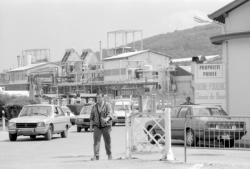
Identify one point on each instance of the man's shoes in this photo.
(95, 158)
(109, 157)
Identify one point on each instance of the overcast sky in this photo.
(79, 24)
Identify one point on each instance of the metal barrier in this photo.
(216, 132)
(142, 136)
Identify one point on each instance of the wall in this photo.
(238, 19)
(239, 80)
(157, 61)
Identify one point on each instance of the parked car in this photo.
(83, 119)
(39, 119)
(69, 113)
(122, 107)
(203, 123)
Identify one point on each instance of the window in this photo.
(201, 112)
(183, 112)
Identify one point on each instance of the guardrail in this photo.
(217, 132)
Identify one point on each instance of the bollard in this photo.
(3, 120)
(168, 153)
(128, 136)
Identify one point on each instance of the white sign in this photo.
(209, 84)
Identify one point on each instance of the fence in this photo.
(141, 136)
(216, 132)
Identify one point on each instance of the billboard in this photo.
(209, 84)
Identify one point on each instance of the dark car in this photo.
(202, 123)
(83, 119)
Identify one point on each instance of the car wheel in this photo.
(33, 137)
(79, 129)
(64, 134)
(113, 123)
(86, 129)
(48, 135)
(190, 138)
(12, 137)
(229, 143)
(153, 133)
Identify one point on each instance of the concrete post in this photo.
(168, 153)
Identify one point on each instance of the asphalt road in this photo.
(76, 151)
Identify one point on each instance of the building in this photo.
(235, 40)
(127, 72)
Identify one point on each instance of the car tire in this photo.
(33, 137)
(48, 135)
(13, 137)
(190, 138)
(153, 133)
(86, 129)
(113, 123)
(79, 129)
(64, 134)
(229, 143)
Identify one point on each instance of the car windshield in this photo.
(208, 112)
(86, 109)
(121, 107)
(36, 111)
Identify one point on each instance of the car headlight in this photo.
(41, 124)
(12, 125)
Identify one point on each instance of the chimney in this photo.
(18, 61)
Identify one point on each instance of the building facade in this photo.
(235, 40)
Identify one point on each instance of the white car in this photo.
(69, 113)
(122, 108)
(39, 119)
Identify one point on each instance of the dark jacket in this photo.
(97, 116)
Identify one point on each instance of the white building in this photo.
(123, 67)
(236, 53)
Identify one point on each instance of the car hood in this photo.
(120, 113)
(83, 116)
(29, 119)
(226, 118)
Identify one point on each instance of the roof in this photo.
(27, 67)
(67, 54)
(221, 13)
(179, 60)
(180, 72)
(219, 39)
(15, 92)
(129, 54)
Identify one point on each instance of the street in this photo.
(76, 151)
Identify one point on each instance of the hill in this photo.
(185, 43)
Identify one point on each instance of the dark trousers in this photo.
(98, 132)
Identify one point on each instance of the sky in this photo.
(81, 24)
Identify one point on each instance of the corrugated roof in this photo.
(28, 67)
(129, 54)
(221, 13)
(125, 55)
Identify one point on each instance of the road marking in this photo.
(197, 166)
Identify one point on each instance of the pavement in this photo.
(75, 152)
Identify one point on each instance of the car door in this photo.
(58, 116)
(62, 118)
(179, 122)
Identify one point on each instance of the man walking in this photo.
(100, 122)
